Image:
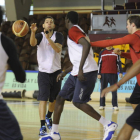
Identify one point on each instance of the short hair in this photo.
(1, 15)
(73, 17)
(50, 18)
(134, 19)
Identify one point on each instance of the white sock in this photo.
(103, 121)
(55, 128)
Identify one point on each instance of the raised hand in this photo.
(33, 27)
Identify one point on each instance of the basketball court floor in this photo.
(74, 124)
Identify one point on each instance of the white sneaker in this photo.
(138, 137)
(101, 107)
(116, 108)
(51, 136)
(109, 131)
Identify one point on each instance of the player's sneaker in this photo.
(43, 131)
(116, 108)
(138, 137)
(101, 107)
(49, 123)
(109, 131)
(51, 136)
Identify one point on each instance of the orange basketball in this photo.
(20, 28)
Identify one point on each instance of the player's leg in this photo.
(9, 127)
(135, 96)
(133, 122)
(65, 94)
(82, 93)
(55, 89)
(125, 133)
(113, 78)
(43, 96)
(104, 83)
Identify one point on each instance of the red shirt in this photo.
(109, 62)
(131, 39)
(75, 34)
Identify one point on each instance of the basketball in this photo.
(20, 28)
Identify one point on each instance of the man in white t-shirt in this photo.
(80, 84)
(49, 46)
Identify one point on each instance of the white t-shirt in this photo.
(3, 66)
(49, 60)
(8, 55)
(75, 54)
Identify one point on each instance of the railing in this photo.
(64, 10)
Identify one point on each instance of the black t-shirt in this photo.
(13, 61)
(59, 38)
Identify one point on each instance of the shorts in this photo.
(48, 87)
(135, 96)
(134, 119)
(9, 127)
(79, 92)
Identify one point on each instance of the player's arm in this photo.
(85, 52)
(119, 63)
(57, 45)
(63, 74)
(133, 71)
(33, 40)
(122, 54)
(13, 61)
(128, 39)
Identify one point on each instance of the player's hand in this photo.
(80, 76)
(109, 89)
(60, 76)
(117, 51)
(99, 76)
(47, 35)
(33, 27)
(121, 75)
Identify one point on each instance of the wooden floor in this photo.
(74, 125)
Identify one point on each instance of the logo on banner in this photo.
(109, 21)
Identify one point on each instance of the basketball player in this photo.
(133, 39)
(9, 127)
(49, 45)
(80, 84)
(133, 121)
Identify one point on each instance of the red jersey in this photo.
(132, 39)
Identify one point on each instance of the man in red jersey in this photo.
(126, 131)
(133, 39)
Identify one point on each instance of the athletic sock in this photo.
(42, 122)
(55, 127)
(103, 121)
(49, 114)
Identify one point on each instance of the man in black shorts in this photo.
(133, 121)
(49, 46)
(9, 127)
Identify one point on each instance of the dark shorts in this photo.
(48, 87)
(9, 127)
(76, 91)
(134, 119)
(135, 96)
